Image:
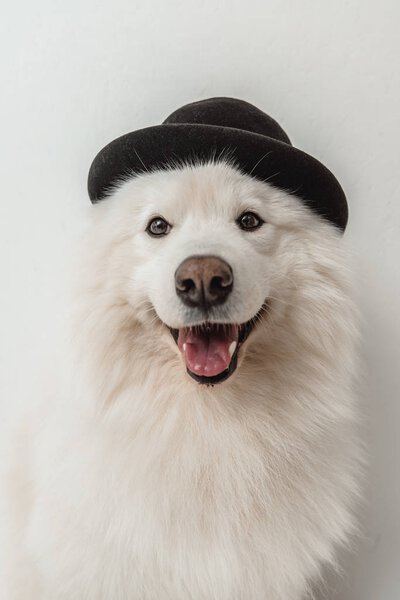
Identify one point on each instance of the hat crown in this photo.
(229, 112)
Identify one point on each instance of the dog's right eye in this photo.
(158, 227)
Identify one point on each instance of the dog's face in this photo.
(209, 251)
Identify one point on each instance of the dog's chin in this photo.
(210, 349)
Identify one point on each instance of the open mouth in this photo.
(210, 350)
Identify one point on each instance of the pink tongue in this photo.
(206, 352)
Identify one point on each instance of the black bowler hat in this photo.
(215, 128)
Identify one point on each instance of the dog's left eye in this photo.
(249, 221)
(158, 227)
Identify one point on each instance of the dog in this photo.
(202, 444)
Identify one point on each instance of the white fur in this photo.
(137, 483)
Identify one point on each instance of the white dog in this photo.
(202, 445)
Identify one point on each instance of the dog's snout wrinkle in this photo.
(203, 281)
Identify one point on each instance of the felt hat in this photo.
(220, 128)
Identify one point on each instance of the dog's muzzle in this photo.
(210, 349)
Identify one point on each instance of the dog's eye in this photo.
(158, 227)
(249, 221)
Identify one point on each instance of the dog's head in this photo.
(212, 256)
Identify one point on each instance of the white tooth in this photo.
(232, 348)
(184, 347)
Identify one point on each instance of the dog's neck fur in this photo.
(226, 448)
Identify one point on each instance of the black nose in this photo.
(203, 281)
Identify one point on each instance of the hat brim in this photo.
(168, 145)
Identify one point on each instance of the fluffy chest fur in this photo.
(193, 495)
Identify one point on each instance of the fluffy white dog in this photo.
(202, 445)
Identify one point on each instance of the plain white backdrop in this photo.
(78, 73)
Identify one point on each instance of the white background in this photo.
(75, 74)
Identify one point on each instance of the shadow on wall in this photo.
(370, 571)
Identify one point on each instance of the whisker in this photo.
(137, 154)
(260, 160)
